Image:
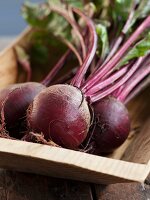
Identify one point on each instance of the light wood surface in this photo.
(60, 162)
(8, 63)
(5, 41)
(8, 68)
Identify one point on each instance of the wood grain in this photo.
(60, 162)
(139, 150)
(8, 68)
(22, 186)
(8, 63)
(130, 191)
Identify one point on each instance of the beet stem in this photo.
(139, 88)
(72, 48)
(77, 80)
(82, 41)
(101, 72)
(108, 91)
(101, 85)
(118, 91)
(23, 60)
(74, 25)
(68, 76)
(133, 81)
(47, 80)
(27, 68)
(121, 37)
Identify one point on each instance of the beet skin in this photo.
(14, 101)
(112, 124)
(61, 113)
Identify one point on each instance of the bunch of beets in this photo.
(87, 113)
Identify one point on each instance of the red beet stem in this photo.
(107, 82)
(82, 32)
(72, 48)
(27, 68)
(101, 72)
(118, 91)
(77, 80)
(139, 88)
(137, 78)
(65, 78)
(121, 37)
(109, 90)
(23, 60)
(74, 26)
(47, 80)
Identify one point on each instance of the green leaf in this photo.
(59, 26)
(77, 3)
(41, 16)
(103, 44)
(73, 3)
(39, 52)
(43, 44)
(142, 11)
(35, 14)
(140, 49)
(121, 9)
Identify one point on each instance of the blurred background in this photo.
(11, 21)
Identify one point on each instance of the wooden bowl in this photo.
(128, 163)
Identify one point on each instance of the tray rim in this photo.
(112, 169)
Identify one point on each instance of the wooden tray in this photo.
(129, 163)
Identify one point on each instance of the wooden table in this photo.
(23, 186)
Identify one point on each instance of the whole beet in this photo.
(61, 113)
(14, 101)
(112, 124)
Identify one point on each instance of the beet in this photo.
(61, 113)
(14, 101)
(112, 124)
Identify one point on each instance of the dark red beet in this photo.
(113, 124)
(61, 113)
(14, 101)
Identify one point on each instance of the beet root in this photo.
(112, 124)
(61, 113)
(14, 101)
